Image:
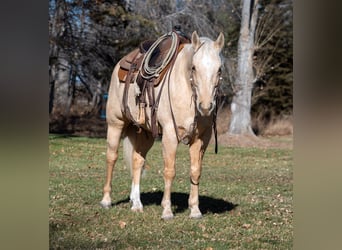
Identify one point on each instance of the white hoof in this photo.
(106, 204)
(167, 217)
(137, 207)
(196, 216)
(167, 214)
(195, 213)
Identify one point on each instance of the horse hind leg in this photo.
(136, 145)
(136, 168)
(113, 141)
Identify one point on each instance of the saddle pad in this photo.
(126, 62)
(122, 74)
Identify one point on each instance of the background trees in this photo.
(88, 37)
(240, 122)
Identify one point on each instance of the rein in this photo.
(194, 96)
(194, 124)
(172, 114)
(214, 123)
(214, 113)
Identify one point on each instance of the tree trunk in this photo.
(59, 71)
(241, 104)
(62, 94)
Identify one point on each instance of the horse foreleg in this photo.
(197, 150)
(169, 154)
(196, 156)
(113, 140)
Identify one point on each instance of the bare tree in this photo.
(266, 39)
(82, 49)
(272, 93)
(58, 65)
(241, 103)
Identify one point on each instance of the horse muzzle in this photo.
(206, 109)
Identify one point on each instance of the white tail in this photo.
(128, 152)
(128, 155)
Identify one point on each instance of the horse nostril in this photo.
(205, 109)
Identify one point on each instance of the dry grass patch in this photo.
(279, 127)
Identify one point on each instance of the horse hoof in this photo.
(195, 213)
(167, 214)
(137, 209)
(195, 216)
(168, 217)
(106, 204)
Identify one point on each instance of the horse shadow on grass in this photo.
(180, 202)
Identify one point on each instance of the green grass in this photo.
(245, 197)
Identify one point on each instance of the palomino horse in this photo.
(185, 114)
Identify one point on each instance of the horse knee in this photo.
(112, 153)
(138, 161)
(169, 174)
(195, 175)
(110, 160)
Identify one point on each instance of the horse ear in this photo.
(219, 43)
(195, 40)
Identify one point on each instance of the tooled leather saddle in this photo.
(146, 66)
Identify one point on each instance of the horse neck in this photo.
(180, 91)
(182, 69)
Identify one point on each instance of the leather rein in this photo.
(194, 96)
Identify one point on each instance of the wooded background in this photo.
(88, 37)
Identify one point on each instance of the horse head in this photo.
(206, 71)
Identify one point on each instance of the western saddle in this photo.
(145, 67)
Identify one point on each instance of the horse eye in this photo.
(219, 71)
(193, 68)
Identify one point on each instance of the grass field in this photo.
(245, 197)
